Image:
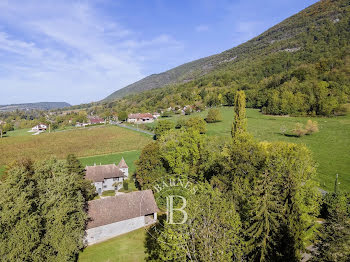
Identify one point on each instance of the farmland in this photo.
(330, 146)
(98, 140)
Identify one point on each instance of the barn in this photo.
(113, 216)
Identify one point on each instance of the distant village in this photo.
(54, 120)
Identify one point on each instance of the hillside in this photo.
(36, 106)
(289, 36)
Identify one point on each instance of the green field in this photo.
(330, 146)
(129, 157)
(124, 248)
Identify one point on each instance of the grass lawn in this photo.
(19, 132)
(330, 146)
(125, 248)
(81, 142)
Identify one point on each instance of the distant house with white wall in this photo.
(38, 128)
(140, 118)
(107, 177)
(113, 216)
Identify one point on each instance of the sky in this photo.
(82, 51)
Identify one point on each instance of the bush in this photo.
(214, 115)
(311, 127)
(125, 185)
(299, 130)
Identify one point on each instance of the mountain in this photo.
(265, 43)
(34, 106)
(299, 66)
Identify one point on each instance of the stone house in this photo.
(107, 177)
(113, 216)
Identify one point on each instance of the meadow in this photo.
(330, 147)
(97, 141)
(129, 156)
(127, 248)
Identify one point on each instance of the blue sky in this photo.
(81, 51)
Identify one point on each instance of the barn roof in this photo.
(121, 207)
(99, 173)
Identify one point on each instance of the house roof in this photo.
(121, 207)
(122, 164)
(138, 115)
(99, 173)
(95, 120)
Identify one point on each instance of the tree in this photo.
(43, 212)
(20, 219)
(122, 116)
(75, 169)
(180, 152)
(212, 232)
(197, 123)
(239, 124)
(149, 166)
(265, 216)
(214, 115)
(162, 127)
(334, 237)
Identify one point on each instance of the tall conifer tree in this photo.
(239, 124)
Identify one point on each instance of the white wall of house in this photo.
(108, 184)
(98, 234)
(125, 171)
(99, 187)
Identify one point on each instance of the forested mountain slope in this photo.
(299, 66)
(34, 106)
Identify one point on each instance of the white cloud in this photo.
(202, 28)
(59, 50)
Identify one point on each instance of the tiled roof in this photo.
(118, 208)
(138, 116)
(99, 173)
(122, 164)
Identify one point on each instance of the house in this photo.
(107, 177)
(113, 216)
(78, 124)
(140, 118)
(94, 120)
(39, 128)
(156, 115)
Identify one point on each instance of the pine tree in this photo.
(264, 222)
(239, 124)
(334, 239)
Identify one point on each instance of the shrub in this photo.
(311, 127)
(214, 115)
(125, 185)
(299, 130)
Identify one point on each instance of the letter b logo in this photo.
(171, 209)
